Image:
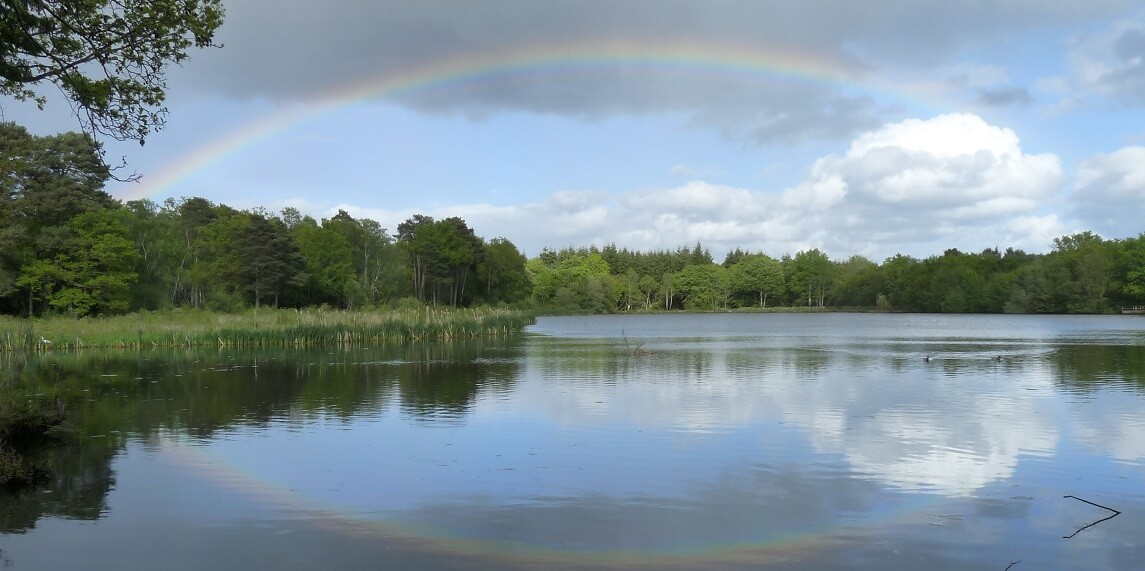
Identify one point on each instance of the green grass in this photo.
(257, 328)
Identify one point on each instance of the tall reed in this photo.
(258, 328)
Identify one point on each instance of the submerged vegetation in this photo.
(261, 328)
(23, 423)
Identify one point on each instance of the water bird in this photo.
(926, 359)
(44, 341)
(998, 358)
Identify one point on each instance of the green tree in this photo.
(156, 235)
(667, 289)
(94, 275)
(270, 258)
(442, 254)
(899, 286)
(574, 281)
(51, 179)
(195, 215)
(859, 283)
(956, 282)
(44, 184)
(758, 274)
(1130, 268)
(329, 261)
(375, 256)
(16, 148)
(1042, 286)
(502, 272)
(106, 56)
(734, 257)
(461, 250)
(417, 237)
(630, 289)
(702, 285)
(542, 278)
(1090, 261)
(587, 277)
(812, 275)
(218, 260)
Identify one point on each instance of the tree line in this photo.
(1083, 273)
(67, 247)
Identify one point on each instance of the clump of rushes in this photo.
(258, 328)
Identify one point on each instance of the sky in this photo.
(877, 128)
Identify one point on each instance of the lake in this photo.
(720, 441)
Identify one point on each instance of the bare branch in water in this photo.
(1115, 514)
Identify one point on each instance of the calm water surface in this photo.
(819, 441)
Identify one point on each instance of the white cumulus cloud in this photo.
(950, 181)
(915, 187)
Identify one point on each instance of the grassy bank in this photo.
(257, 328)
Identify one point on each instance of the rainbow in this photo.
(543, 58)
(806, 544)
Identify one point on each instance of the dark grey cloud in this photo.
(1130, 45)
(1126, 81)
(1110, 63)
(1004, 97)
(297, 50)
(823, 116)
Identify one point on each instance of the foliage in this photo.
(442, 255)
(703, 286)
(54, 243)
(94, 275)
(756, 274)
(574, 281)
(502, 272)
(1083, 274)
(329, 261)
(106, 56)
(811, 276)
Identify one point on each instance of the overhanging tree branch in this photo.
(107, 57)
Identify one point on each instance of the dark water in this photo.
(648, 442)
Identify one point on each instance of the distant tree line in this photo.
(1084, 273)
(67, 247)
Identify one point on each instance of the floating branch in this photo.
(1115, 514)
(1013, 563)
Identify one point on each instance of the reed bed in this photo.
(257, 328)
